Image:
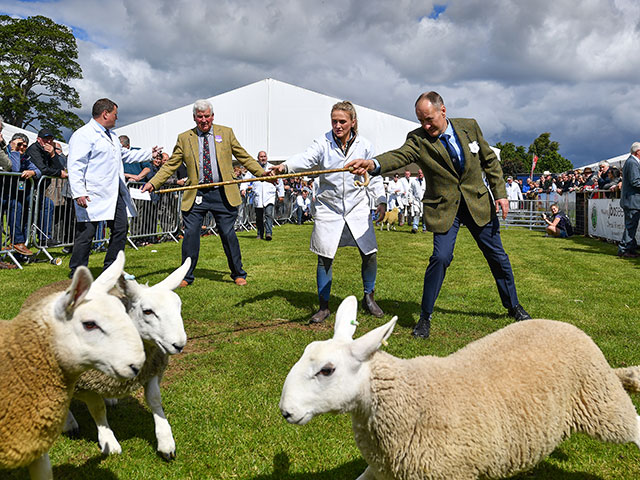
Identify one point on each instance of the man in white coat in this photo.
(264, 199)
(405, 212)
(513, 193)
(96, 179)
(416, 192)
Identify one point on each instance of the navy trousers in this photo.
(488, 239)
(85, 231)
(214, 201)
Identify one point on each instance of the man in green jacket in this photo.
(453, 155)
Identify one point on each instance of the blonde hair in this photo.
(347, 106)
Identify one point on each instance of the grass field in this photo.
(221, 394)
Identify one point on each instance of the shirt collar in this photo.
(448, 130)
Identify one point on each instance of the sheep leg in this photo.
(637, 440)
(98, 411)
(367, 475)
(40, 468)
(164, 435)
(70, 427)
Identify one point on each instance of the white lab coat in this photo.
(416, 192)
(406, 191)
(96, 171)
(264, 193)
(513, 193)
(396, 194)
(338, 201)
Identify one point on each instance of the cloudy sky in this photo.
(520, 67)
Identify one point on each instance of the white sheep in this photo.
(43, 351)
(156, 313)
(493, 408)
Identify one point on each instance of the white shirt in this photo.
(96, 171)
(264, 193)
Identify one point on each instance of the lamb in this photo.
(43, 351)
(493, 408)
(156, 313)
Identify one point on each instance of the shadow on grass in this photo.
(89, 469)
(199, 273)
(120, 420)
(351, 470)
(281, 466)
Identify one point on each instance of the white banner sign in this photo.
(606, 219)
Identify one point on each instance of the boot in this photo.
(321, 314)
(422, 328)
(371, 306)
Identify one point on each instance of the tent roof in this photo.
(273, 116)
(617, 161)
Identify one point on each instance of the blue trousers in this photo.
(628, 242)
(324, 274)
(214, 201)
(487, 238)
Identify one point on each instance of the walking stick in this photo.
(266, 179)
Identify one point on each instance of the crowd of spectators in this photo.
(606, 178)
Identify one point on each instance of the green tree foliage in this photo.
(37, 61)
(513, 158)
(548, 156)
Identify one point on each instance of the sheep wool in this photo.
(493, 408)
(36, 392)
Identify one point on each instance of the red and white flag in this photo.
(533, 165)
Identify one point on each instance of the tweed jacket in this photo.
(444, 187)
(630, 197)
(186, 150)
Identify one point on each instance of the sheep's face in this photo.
(157, 310)
(94, 331)
(333, 375)
(157, 314)
(327, 378)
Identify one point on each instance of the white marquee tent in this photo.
(270, 115)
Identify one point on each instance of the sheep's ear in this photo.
(71, 298)
(346, 323)
(173, 281)
(108, 279)
(365, 346)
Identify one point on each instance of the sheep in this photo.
(43, 351)
(493, 408)
(156, 313)
(390, 218)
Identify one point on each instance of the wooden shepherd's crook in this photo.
(266, 179)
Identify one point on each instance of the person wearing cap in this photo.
(44, 156)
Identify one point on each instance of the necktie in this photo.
(452, 151)
(108, 133)
(207, 177)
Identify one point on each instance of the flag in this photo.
(533, 165)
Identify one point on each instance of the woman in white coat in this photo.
(342, 214)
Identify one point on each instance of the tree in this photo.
(37, 61)
(548, 156)
(512, 158)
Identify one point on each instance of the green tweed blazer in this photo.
(186, 150)
(444, 186)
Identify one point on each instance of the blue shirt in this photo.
(454, 142)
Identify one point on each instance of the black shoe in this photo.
(369, 304)
(413, 230)
(519, 313)
(629, 254)
(71, 273)
(268, 238)
(422, 328)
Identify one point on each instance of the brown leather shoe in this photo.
(240, 281)
(22, 249)
(183, 284)
(7, 266)
(322, 314)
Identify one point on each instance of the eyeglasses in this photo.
(21, 144)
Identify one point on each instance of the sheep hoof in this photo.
(167, 456)
(111, 448)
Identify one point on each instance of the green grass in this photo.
(221, 395)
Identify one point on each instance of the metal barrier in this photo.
(158, 219)
(16, 213)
